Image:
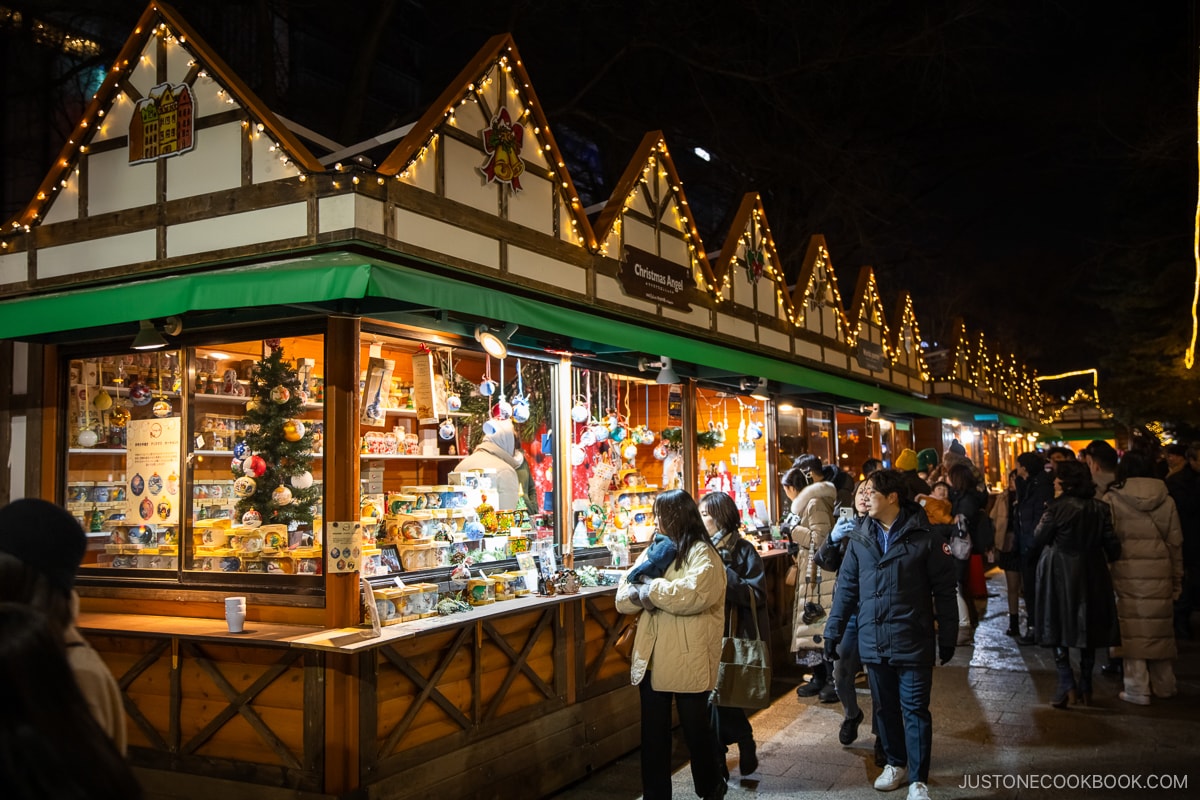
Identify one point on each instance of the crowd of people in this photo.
(1098, 551)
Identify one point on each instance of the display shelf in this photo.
(229, 453)
(96, 451)
(406, 457)
(241, 400)
(122, 391)
(410, 412)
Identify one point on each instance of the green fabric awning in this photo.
(345, 276)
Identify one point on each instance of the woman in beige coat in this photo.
(1147, 578)
(807, 525)
(677, 648)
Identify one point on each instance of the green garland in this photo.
(705, 440)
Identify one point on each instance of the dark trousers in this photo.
(964, 575)
(901, 698)
(732, 727)
(1029, 589)
(698, 735)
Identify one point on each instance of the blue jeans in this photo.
(901, 698)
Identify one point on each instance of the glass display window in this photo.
(457, 453)
(257, 451)
(804, 430)
(858, 439)
(732, 451)
(200, 460)
(626, 446)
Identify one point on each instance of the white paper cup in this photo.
(235, 613)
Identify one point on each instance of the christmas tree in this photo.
(276, 453)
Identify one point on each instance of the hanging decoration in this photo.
(754, 263)
(172, 110)
(502, 141)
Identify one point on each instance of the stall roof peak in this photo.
(159, 25)
(498, 57)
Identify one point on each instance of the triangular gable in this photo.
(493, 91)
(981, 375)
(961, 368)
(866, 309)
(749, 270)
(650, 188)
(816, 302)
(160, 30)
(906, 338)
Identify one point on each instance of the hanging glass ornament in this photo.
(252, 519)
(280, 395)
(119, 416)
(244, 486)
(302, 480)
(87, 438)
(293, 430)
(139, 394)
(161, 408)
(239, 448)
(255, 466)
(447, 430)
(281, 496)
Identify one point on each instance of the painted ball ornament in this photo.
(454, 402)
(293, 430)
(252, 519)
(254, 466)
(118, 417)
(161, 408)
(244, 486)
(87, 438)
(239, 448)
(280, 395)
(302, 480)
(281, 496)
(139, 394)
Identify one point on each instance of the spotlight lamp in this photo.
(495, 344)
(757, 387)
(872, 411)
(148, 337)
(666, 374)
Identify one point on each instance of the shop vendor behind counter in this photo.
(496, 454)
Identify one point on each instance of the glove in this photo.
(946, 652)
(831, 649)
(644, 597)
(634, 595)
(841, 529)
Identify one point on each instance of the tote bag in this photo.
(744, 673)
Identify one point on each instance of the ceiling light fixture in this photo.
(148, 337)
(495, 344)
(666, 373)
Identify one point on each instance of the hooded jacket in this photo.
(679, 640)
(899, 595)
(496, 452)
(1149, 574)
(810, 522)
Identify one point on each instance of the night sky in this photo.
(1029, 166)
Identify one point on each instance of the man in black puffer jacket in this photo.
(900, 578)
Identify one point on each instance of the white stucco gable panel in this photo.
(267, 164)
(113, 184)
(65, 205)
(774, 339)
(214, 165)
(448, 239)
(464, 182)
(238, 230)
(115, 122)
(346, 211)
(84, 257)
(533, 206)
(735, 327)
(537, 267)
(13, 267)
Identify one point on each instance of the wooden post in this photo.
(341, 477)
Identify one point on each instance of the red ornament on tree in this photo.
(254, 466)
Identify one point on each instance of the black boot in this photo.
(747, 757)
(812, 688)
(1014, 625)
(1066, 691)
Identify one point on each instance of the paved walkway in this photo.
(995, 735)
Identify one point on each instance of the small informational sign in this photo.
(152, 467)
(374, 401)
(747, 455)
(527, 564)
(429, 390)
(870, 356)
(343, 547)
(649, 277)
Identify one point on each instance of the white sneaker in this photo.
(918, 791)
(892, 778)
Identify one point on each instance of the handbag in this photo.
(812, 614)
(793, 574)
(624, 644)
(744, 672)
(960, 545)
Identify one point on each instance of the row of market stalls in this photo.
(251, 367)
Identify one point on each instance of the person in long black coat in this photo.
(1034, 492)
(1076, 607)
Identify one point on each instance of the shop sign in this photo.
(163, 124)
(152, 462)
(344, 547)
(870, 356)
(649, 277)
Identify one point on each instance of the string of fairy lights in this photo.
(502, 81)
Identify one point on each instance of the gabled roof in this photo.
(498, 53)
(906, 320)
(816, 277)
(651, 153)
(157, 20)
(750, 227)
(867, 306)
